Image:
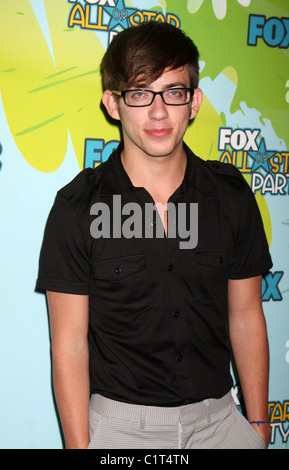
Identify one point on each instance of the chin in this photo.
(162, 151)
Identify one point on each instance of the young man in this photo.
(155, 290)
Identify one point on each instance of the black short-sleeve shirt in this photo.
(158, 311)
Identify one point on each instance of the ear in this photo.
(109, 100)
(196, 102)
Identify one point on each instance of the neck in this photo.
(160, 176)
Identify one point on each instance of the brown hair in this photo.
(140, 54)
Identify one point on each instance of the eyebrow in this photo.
(140, 86)
(174, 85)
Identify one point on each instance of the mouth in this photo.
(158, 133)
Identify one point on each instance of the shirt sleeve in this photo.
(64, 264)
(251, 255)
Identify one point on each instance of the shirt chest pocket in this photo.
(120, 285)
(211, 276)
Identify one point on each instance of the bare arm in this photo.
(248, 334)
(69, 326)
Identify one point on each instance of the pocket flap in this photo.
(118, 268)
(213, 258)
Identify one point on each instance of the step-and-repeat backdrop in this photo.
(52, 126)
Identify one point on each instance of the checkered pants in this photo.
(211, 424)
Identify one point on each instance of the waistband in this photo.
(160, 415)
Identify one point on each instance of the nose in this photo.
(158, 109)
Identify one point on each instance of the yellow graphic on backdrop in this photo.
(43, 100)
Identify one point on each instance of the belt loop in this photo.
(142, 417)
(207, 403)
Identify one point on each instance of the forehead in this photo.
(176, 77)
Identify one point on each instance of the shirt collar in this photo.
(197, 174)
(115, 180)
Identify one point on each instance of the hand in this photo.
(264, 429)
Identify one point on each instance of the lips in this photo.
(158, 133)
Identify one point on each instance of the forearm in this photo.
(71, 385)
(251, 354)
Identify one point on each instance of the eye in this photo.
(138, 94)
(175, 93)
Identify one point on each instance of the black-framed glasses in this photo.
(141, 97)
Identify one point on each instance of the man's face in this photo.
(157, 130)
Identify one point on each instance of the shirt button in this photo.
(117, 270)
(221, 259)
(180, 357)
(177, 314)
(171, 267)
(91, 177)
